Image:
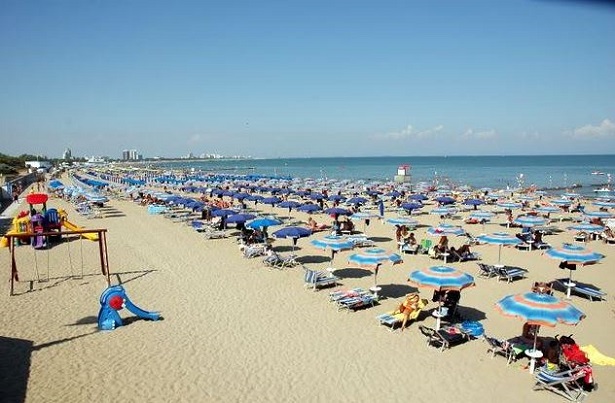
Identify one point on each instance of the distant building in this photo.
(67, 155)
(39, 165)
(125, 155)
(131, 155)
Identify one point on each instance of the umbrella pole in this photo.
(499, 254)
(569, 285)
(533, 354)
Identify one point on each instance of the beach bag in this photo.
(473, 328)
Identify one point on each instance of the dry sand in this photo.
(234, 330)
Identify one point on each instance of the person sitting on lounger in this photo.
(409, 305)
(442, 245)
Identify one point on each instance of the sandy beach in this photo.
(235, 331)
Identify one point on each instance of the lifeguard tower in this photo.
(403, 174)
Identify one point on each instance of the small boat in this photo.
(598, 173)
(603, 190)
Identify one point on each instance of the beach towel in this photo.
(596, 357)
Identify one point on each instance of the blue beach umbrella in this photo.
(473, 202)
(223, 212)
(539, 309)
(289, 204)
(338, 198)
(418, 196)
(292, 232)
(239, 218)
(445, 200)
(309, 208)
(561, 202)
(499, 238)
(263, 222)
(338, 211)
(372, 258)
(529, 221)
(356, 200)
(411, 206)
(271, 200)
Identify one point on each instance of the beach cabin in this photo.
(403, 174)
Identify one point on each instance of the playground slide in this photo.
(72, 227)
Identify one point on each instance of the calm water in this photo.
(483, 171)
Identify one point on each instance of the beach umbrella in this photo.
(290, 205)
(317, 196)
(418, 196)
(372, 258)
(337, 211)
(597, 214)
(572, 255)
(587, 227)
(548, 209)
(356, 200)
(499, 238)
(441, 278)
(393, 193)
(482, 215)
(561, 202)
(604, 203)
(443, 211)
(527, 198)
(540, 310)
(334, 243)
(445, 229)
(293, 233)
(445, 200)
(411, 206)
(263, 222)
(365, 216)
(309, 208)
(336, 198)
(473, 202)
(223, 212)
(239, 218)
(529, 221)
(407, 221)
(271, 200)
(509, 205)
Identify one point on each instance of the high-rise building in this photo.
(125, 155)
(67, 155)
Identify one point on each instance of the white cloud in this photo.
(410, 132)
(479, 135)
(605, 129)
(530, 136)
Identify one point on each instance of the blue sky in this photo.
(307, 78)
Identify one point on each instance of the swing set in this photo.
(102, 249)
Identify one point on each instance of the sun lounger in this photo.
(342, 294)
(279, 262)
(317, 279)
(500, 347)
(354, 303)
(582, 289)
(564, 383)
(510, 273)
(487, 270)
(445, 337)
(394, 318)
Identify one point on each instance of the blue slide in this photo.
(112, 300)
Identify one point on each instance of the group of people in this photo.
(460, 254)
(406, 239)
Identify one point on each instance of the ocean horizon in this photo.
(543, 171)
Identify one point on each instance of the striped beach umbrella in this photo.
(509, 204)
(548, 209)
(539, 309)
(597, 214)
(604, 203)
(443, 211)
(573, 255)
(499, 238)
(409, 222)
(529, 221)
(334, 243)
(482, 215)
(561, 202)
(373, 258)
(587, 227)
(445, 229)
(441, 278)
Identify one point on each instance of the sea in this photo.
(578, 173)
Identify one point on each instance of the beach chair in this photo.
(500, 347)
(582, 289)
(317, 279)
(425, 246)
(487, 271)
(278, 261)
(394, 318)
(355, 303)
(510, 273)
(209, 233)
(342, 294)
(445, 337)
(564, 383)
(251, 251)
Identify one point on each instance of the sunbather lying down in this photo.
(315, 227)
(411, 304)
